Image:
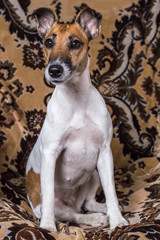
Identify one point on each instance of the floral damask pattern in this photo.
(7, 70)
(117, 84)
(125, 68)
(2, 138)
(35, 120)
(33, 56)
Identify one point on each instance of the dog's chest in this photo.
(83, 132)
(81, 144)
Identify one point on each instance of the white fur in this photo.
(74, 140)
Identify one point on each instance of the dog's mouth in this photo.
(58, 72)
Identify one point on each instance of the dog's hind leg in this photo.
(68, 214)
(90, 203)
(86, 196)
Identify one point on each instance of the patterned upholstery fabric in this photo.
(125, 68)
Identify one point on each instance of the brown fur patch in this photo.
(61, 49)
(33, 187)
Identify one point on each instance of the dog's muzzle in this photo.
(58, 71)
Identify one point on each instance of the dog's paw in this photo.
(48, 225)
(99, 219)
(118, 222)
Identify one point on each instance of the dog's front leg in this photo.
(106, 172)
(47, 189)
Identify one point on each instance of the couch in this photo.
(125, 68)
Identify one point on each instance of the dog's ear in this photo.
(45, 19)
(90, 21)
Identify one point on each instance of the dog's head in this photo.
(66, 44)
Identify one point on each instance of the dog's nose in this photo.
(55, 71)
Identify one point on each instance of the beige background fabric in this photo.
(124, 67)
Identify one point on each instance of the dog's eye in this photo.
(49, 43)
(75, 44)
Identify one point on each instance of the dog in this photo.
(72, 155)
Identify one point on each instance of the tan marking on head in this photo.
(63, 32)
(33, 187)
